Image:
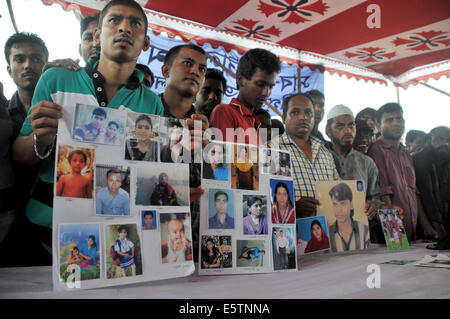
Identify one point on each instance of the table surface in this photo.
(320, 275)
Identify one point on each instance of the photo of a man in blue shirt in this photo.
(113, 200)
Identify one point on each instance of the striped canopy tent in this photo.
(402, 41)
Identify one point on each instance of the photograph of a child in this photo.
(123, 251)
(312, 235)
(283, 247)
(393, 229)
(254, 213)
(74, 176)
(220, 209)
(174, 141)
(163, 185)
(112, 193)
(244, 169)
(343, 207)
(96, 124)
(214, 253)
(79, 244)
(141, 142)
(283, 166)
(149, 220)
(252, 253)
(215, 163)
(176, 237)
(282, 196)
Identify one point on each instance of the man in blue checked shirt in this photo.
(113, 200)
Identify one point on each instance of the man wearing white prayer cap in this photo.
(353, 165)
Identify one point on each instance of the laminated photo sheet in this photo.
(312, 235)
(393, 230)
(229, 242)
(148, 220)
(342, 202)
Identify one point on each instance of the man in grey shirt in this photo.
(351, 164)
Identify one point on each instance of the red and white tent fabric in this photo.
(404, 41)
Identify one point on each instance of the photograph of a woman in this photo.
(319, 239)
(283, 210)
(255, 223)
(140, 145)
(214, 166)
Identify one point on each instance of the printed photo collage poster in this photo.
(393, 230)
(247, 213)
(121, 210)
(342, 203)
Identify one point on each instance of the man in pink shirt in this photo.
(255, 77)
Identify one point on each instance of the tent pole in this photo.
(299, 77)
(398, 94)
(11, 14)
(433, 88)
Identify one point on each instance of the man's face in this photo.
(342, 130)
(392, 125)
(415, 145)
(440, 141)
(342, 209)
(97, 121)
(255, 91)
(186, 74)
(371, 121)
(319, 106)
(114, 182)
(122, 35)
(299, 118)
(363, 140)
(87, 46)
(221, 204)
(281, 234)
(148, 219)
(209, 96)
(176, 234)
(26, 61)
(77, 163)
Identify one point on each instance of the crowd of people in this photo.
(415, 179)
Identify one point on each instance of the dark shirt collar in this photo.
(354, 227)
(15, 105)
(167, 112)
(386, 144)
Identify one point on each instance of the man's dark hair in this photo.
(361, 126)
(289, 97)
(113, 123)
(262, 59)
(113, 171)
(261, 111)
(218, 193)
(146, 70)
(24, 37)
(413, 134)
(173, 52)
(276, 123)
(127, 3)
(86, 21)
(315, 94)
(79, 152)
(149, 213)
(216, 75)
(341, 192)
(99, 111)
(367, 110)
(388, 108)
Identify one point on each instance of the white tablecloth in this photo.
(320, 275)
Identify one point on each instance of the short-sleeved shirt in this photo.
(359, 238)
(306, 173)
(234, 115)
(87, 133)
(67, 88)
(125, 246)
(106, 204)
